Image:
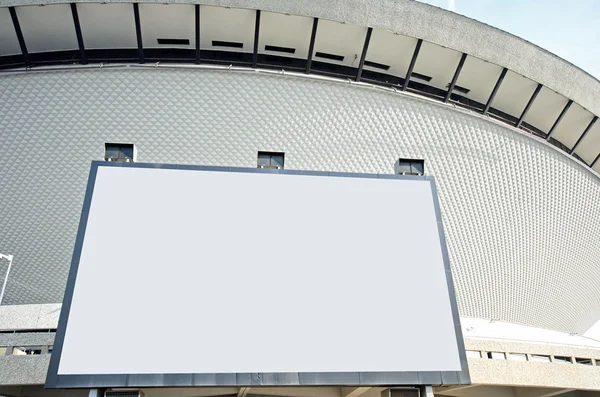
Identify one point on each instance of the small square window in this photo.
(410, 167)
(271, 160)
(119, 152)
(584, 361)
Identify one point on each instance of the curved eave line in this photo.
(433, 24)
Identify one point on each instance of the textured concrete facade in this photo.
(499, 345)
(520, 215)
(27, 339)
(23, 370)
(534, 374)
(24, 317)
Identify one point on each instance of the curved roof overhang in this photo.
(441, 54)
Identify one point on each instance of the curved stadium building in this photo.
(508, 130)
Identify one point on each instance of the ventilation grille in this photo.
(401, 392)
(124, 393)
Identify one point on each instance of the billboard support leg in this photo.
(425, 391)
(96, 393)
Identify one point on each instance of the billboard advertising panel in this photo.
(200, 276)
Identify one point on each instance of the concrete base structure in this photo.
(504, 368)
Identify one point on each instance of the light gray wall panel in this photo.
(20, 317)
(27, 339)
(521, 217)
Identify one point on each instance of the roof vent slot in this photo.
(460, 89)
(230, 44)
(420, 76)
(173, 41)
(377, 65)
(286, 50)
(333, 57)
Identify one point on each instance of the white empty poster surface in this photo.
(195, 271)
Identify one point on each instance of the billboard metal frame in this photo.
(54, 380)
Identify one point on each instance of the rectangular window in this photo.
(562, 359)
(473, 354)
(496, 355)
(540, 358)
(410, 167)
(271, 160)
(119, 152)
(584, 361)
(27, 350)
(517, 356)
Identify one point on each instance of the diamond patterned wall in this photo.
(521, 218)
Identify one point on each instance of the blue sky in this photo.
(568, 28)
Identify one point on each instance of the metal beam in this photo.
(448, 390)
(463, 58)
(595, 161)
(535, 94)
(17, 25)
(495, 91)
(256, 32)
(311, 46)
(364, 53)
(587, 129)
(412, 64)
(557, 392)
(197, 12)
(296, 391)
(353, 391)
(540, 391)
(560, 116)
(138, 32)
(78, 33)
(243, 392)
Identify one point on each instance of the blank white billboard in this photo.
(241, 277)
